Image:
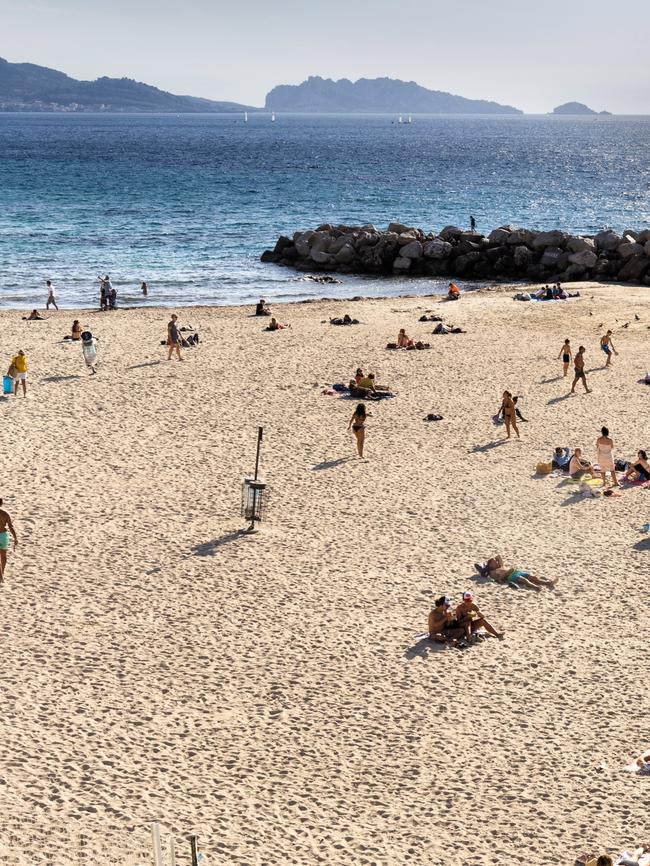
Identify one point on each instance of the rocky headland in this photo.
(507, 253)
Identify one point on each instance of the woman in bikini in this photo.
(403, 340)
(508, 410)
(358, 424)
(640, 470)
(605, 456)
(566, 354)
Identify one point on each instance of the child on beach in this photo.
(566, 354)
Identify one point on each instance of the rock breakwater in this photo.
(507, 253)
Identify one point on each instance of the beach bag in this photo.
(391, 345)
(544, 468)
(621, 465)
(7, 385)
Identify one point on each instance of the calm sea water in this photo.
(188, 203)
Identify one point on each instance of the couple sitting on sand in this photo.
(458, 628)
(363, 387)
(499, 572)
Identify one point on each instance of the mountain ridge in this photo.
(375, 95)
(30, 87)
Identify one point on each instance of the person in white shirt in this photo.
(51, 298)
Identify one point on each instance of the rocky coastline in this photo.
(507, 253)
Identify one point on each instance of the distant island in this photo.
(28, 87)
(375, 95)
(577, 108)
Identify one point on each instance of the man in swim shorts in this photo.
(579, 370)
(6, 527)
(470, 618)
(607, 347)
(499, 572)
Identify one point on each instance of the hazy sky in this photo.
(531, 55)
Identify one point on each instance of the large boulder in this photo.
(573, 272)
(343, 239)
(585, 259)
(406, 237)
(401, 264)
(498, 237)
(523, 257)
(320, 257)
(398, 228)
(522, 236)
(302, 244)
(552, 239)
(551, 257)
(437, 249)
(366, 239)
(345, 254)
(607, 241)
(320, 241)
(281, 243)
(643, 237)
(635, 269)
(628, 250)
(411, 251)
(647, 248)
(579, 245)
(462, 264)
(451, 233)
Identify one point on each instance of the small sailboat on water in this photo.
(410, 120)
(273, 117)
(245, 117)
(399, 119)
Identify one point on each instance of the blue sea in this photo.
(189, 202)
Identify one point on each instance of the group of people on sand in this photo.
(579, 468)
(364, 387)
(566, 354)
(459, 626)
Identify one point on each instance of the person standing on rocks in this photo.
(579, 370)
(472, 224)
(607, 347)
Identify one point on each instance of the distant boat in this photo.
(245, 117)
(399, 119)
(410, 120)
(273, 117)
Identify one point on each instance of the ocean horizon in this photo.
(189, 202)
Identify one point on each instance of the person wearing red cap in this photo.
(471, 619)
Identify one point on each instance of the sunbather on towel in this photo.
(403, 340)
(640, 469)
(579, 467)
(499, 572)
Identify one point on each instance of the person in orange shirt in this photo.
(454, 292)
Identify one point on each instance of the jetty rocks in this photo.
(507, 253)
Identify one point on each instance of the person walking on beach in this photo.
(579, 370)
(566, 354)
(51, 297)
(6, 527)
(508, 410)
(18, 371)
(607, 347)
(358, 424)
(605, 456)
(105, 289)
(173, 338)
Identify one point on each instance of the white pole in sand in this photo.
(172, 851)
(157, 847)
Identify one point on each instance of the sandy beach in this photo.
(267, 692)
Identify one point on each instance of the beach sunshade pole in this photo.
(172, 851)
(253, 490)
(260, 433)
(195, 856)
(157, 847)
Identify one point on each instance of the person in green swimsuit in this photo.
(516, 577)
(6, 527)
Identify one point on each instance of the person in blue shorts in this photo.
(607, 347)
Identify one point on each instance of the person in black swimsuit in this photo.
(639, 471)
(358, 424)
(173, 338)
(566, 354)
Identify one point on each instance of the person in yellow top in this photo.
(18, 371)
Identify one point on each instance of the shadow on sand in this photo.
(423, 648)
(209, 548)
(329, 464)
(144, 364)
(644, 544)
(59, 378)
(481, 449)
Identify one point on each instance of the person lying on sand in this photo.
(346, 320)
(34, 316)
(274, 325)
(443, 626)
(499, 572)
(640, 469)
(579, 467)
(470, 618)
(403, 340)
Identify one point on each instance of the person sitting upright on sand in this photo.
(34, 316)
(579, 467)
(261, 309)
(443, 627)
(403, 340)
(470, 618)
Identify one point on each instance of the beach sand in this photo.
(267, 692)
